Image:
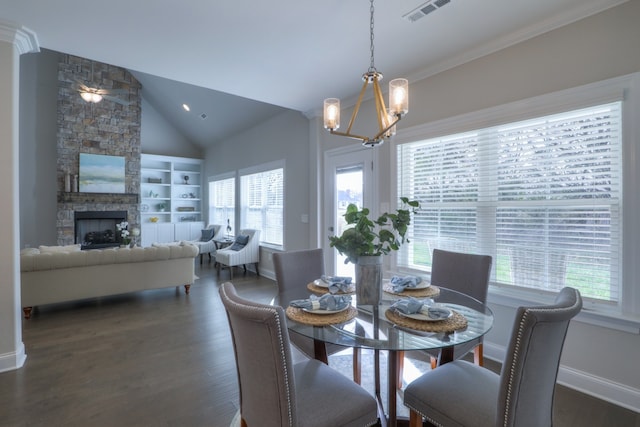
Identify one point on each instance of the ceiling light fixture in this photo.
(387, 119)
(186, 107)
(91, 96)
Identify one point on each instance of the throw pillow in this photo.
(241, 242)
(207, 234)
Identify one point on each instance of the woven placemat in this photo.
(299, 315)
(430, 292)
(454, 323)
(322, 290)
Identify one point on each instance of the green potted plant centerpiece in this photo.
(367, 240)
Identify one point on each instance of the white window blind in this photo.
(262, 202)
(542, 196)
(222, 199)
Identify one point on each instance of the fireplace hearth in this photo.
(97, 229)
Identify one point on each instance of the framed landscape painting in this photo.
(101, 174)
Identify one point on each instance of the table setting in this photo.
(333, 285)
(409, 286)
(328, 309)
(425, 315)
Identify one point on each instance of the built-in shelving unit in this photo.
(170, 198)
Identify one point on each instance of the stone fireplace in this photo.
(105, 128)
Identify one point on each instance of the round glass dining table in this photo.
(372, 329)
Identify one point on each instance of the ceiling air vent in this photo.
(203, 116)
(424, 9)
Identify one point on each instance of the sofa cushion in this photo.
(54, 249)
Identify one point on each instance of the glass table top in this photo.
(371, 329)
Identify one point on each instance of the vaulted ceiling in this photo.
(240, 62)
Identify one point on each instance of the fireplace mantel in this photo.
(122, 198)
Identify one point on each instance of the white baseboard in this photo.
(13, 361)
(584, 382)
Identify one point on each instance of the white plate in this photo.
(421, 285)
(319, 311)
(424, 317)
(321, 283)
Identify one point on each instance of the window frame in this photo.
(264, 167)
(626, 314)
(223, 177)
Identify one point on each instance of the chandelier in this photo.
(386, 118)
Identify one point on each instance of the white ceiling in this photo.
(287, 53)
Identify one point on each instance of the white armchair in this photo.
(249, 254)
(208, 246)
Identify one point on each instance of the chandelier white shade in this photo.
(386, 118)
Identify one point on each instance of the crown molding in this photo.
(25, 40)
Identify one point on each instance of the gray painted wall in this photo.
(38, 148)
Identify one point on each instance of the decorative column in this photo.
(14, 41)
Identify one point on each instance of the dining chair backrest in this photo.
(466, 273)
(266, 383)
(294, 270)
(530, 370)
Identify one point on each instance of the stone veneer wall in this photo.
(106, 128)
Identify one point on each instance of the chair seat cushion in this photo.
(463, 393)
(320, 397)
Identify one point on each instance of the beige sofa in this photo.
(59, 274)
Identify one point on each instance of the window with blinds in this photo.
(542, 196)
(262, 204)
(222, 200)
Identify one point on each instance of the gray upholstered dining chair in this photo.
(294, 270)
(462, 272)
(274, 392)
(466, 273)
(460, 393)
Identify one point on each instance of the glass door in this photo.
(348, 179)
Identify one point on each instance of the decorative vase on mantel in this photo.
(369, 280)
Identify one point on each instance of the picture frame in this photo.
(102, 173)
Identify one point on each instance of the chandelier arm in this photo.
(383, 131)
(349, 135)
(381, 109)
(357, 107)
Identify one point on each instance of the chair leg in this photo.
(415, 419)
(201, 258)
(357, 378)
(400, 369)
(478, 355)
(434, 362)
(257, 271)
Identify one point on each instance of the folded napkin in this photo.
(325, 302)
(337, 283)
(400, 283)
(415, 306)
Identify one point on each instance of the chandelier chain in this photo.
(372, 67)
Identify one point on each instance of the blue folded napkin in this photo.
(325, 302)
(337, 283)
(400, 283)
(415, 306)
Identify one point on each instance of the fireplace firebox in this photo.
(97, 229)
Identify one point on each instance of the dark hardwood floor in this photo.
(162, 358)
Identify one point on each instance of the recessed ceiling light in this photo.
(186, 107)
